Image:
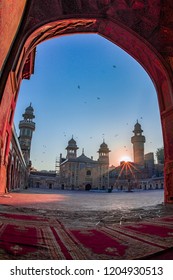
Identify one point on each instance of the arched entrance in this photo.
(88, 187)
(135, 26)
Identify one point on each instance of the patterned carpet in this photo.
(36, 237)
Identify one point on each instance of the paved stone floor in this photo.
(82, 200)
(81, 208)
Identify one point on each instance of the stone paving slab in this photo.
(82, 200)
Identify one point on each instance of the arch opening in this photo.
(144, 53)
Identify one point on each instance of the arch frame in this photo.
(23, 55)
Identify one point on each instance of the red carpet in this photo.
(35, 237)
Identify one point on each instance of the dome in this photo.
(29, 109)
(85, 159)
(29, 112)
(72, 142)
(137, 127)
(103, 146)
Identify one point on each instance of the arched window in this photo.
(88, 173)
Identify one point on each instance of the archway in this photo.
(124, 23)
(88, 187)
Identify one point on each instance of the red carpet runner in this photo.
(34, 237)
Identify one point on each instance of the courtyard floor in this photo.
(82, 208)
(78, 214)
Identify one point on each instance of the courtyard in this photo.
(87, 208)
(59, 224)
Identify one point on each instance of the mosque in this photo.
(84, 173)
(80, 172)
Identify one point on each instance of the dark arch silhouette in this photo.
(88, 187)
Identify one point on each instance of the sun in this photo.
(126, 159)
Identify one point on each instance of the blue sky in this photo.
(87, 87)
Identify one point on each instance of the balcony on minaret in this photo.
(27, 124)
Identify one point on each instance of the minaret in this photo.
(104, 165)
(104, 154)
(26, 126)
(71, 149)
(138, 141)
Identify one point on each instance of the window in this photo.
(88, 173)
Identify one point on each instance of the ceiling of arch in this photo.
(152, 20)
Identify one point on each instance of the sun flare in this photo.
(126, 159)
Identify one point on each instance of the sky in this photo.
(87, 87)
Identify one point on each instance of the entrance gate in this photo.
(141, 28)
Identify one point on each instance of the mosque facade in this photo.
(82, 172)
(142, 173)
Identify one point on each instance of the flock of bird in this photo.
(91, 137)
